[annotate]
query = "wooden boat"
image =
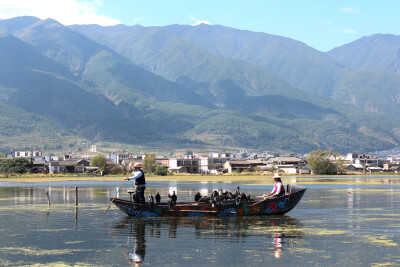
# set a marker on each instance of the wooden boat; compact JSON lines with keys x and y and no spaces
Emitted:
{"x":234,"y":207}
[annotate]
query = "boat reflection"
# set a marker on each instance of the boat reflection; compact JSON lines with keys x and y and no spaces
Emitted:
{"x":132,"y":232}
{"x":139,"y":250}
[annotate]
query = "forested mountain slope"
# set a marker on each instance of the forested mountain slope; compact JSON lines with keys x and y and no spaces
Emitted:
{"x":378,"y":52}
{"x":177,"y":87}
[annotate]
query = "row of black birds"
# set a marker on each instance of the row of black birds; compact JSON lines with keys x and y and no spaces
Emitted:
{"x":171,"y":198}
{"x":220,"y":196}
{"x":216,"y":197}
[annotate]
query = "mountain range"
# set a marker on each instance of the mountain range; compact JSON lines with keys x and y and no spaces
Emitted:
{"x":202,"y":86}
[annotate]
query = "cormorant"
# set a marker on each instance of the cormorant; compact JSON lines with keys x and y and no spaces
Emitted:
{"x":158,"y":198}
{"x":204,"y":199}
{"x":151,"y":198}
{"x":173,"y":197}
{"x":197,"y":197}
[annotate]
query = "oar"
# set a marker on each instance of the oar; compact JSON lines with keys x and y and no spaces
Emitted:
{"x":114,"y":196}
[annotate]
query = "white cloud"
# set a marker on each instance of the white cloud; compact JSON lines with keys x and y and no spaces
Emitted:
{"x":66,"y":12}
{"x":202,"y":22}
{"x":136,"y":20}
{"x":350,"y":10}
{"x":198,"y":22}
{"x":349,"y":31}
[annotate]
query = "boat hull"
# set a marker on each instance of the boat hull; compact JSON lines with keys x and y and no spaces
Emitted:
{"x":257,"y":206}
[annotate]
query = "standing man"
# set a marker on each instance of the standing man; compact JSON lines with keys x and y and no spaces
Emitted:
{"x":140,"y":182}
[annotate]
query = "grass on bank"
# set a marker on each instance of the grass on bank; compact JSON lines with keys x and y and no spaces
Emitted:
{"x":259,"y":178}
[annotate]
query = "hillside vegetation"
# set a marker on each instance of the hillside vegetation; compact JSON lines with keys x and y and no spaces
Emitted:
{"x":184,"y":86}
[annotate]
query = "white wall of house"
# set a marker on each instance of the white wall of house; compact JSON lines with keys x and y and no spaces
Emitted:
{"x":292,"y":170}
{"x":173,"y":163}
{"x":204,"y":165}
{"x":27,"y":153}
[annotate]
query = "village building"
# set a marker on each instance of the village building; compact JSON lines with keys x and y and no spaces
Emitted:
{"x":184,"y":165}
{"x":118,"y":158}
{"x":395,"y":168}
{"x":288,"y":164}
{"x":355,"y":168}
{"x":236,"y":165}
{"x":258,"y":164}
{"x":31,"y":154}
{"x":70,"y":166}
{"x":161,"y":161}
{"x":40,"y":166}
{"x":165,"y":162}
{"x":213,"y":163}
{"x":363,"y":159}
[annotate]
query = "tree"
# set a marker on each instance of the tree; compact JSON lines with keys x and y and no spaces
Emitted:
{"x":149,"y":163}
{"x":16,"y":165}
{"x":161,"y":171}
{"x":98,"y":161}
{"x":117,"y":170}
{"x":336,"y":155}
{"x":340,"y":167}
{"x":2,"y":155}
{"x":320,"y":163}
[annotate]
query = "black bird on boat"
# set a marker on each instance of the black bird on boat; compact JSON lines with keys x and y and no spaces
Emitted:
{"x":173,"y":197}
{"x":204,"y":199}
{"x":151,"y":198}
{"x":197,"y":197}
{"x":158,"y":198}
{"x":237,"y":192}
{"x":229,"y":195}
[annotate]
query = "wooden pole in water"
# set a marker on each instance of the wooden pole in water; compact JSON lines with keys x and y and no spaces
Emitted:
{"x":76,"y":196}
{"x":47,"y":195}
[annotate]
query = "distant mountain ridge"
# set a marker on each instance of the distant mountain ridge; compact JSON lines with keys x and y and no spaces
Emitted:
{"x":189,"y":86}
{"x":378,"y":52}
{"x":303,"y":67}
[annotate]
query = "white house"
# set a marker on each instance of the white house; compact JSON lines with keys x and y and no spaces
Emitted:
{"x":27,"y":154}
{"x":185,"y":165}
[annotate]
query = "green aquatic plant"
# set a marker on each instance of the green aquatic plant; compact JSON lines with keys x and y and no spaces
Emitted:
{"x":34,"y":251}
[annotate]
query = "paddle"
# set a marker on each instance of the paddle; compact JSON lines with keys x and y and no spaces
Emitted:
{"x":114,"y":196}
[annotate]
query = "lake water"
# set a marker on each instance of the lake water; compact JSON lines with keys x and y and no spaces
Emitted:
{"x":346,"y":221}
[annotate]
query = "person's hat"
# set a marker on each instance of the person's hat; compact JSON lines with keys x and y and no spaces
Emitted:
{"x":277,"y":176}
{"x":137,"y":165}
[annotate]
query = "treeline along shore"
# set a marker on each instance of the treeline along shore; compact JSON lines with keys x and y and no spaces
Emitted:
{"x":32,"y":164}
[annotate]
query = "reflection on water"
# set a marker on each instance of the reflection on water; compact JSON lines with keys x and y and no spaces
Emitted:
{"x":280,"y":230}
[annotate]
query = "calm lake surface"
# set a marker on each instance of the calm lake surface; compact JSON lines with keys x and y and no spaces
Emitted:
{"x":346,"y":221}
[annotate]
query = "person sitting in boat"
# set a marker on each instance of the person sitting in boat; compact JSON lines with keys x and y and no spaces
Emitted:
{"x":279,"y":189}
{"x":140,"y":182}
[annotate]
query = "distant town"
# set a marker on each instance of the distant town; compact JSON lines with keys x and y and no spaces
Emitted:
{"x":211,"y":163}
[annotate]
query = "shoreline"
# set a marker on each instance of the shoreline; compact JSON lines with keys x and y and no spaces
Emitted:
{"x":253,"y":178}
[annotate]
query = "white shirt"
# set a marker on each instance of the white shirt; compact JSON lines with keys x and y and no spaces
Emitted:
{"x":136,"y":174}
{"x":277,"y":188}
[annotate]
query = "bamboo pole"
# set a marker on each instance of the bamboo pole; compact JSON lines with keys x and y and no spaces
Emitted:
{"x":114,"y":197}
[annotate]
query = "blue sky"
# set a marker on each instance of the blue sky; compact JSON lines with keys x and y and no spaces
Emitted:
{"x":321,"y":24}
